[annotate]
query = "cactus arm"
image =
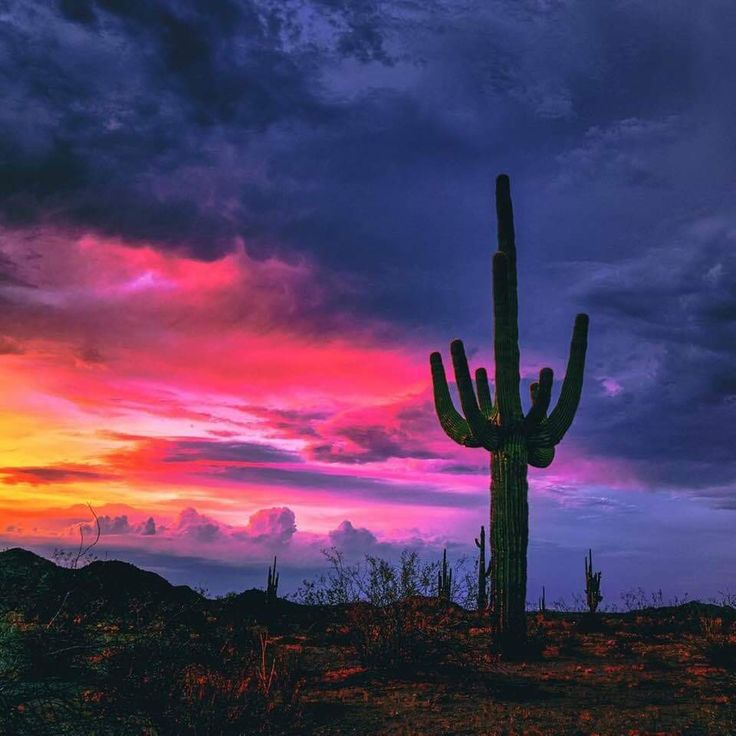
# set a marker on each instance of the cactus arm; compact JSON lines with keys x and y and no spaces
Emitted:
{"x":541,"y":457}
{"x":483,"y":431}
{"x":455,"y":426}
{"x":505,"y":345}
{"x":541,"y":397}
{"x":560,"y":419}
{"x":553,"y":429}
{"x":484,"y":393}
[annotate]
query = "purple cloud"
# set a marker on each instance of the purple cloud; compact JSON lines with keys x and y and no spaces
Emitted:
{"x":271,"y":525}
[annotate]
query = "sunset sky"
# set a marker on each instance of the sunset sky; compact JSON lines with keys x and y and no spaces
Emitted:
{"x":232,"y":232}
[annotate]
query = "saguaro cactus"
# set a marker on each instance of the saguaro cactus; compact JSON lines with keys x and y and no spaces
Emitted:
{"x":592,"y":584}
{"x":444,"y":580}
{"x":500,"y":426}
{"x":272,"y":584}
{"x":483,"y":571}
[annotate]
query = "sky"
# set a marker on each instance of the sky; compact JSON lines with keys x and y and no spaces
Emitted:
{"x":231,"y":234}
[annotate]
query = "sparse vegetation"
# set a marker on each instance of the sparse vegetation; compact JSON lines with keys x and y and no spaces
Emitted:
{"x":719,"y":641}
{"x":130,"y":654}
{"x":391,"y":612}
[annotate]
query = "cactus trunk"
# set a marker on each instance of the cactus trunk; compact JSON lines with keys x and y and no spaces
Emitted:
{"x":444,"y":580}
{"x":509,"y":541}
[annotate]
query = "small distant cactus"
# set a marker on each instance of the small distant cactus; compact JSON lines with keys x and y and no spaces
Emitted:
{"x":272,"y":586}
{"x":444,"y":581}
{"x":483,"y":572}
{"x":592,"y":584}
{"x":542,"y":602}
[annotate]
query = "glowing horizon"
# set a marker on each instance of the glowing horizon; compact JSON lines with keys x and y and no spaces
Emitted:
{"x":137,"y":389}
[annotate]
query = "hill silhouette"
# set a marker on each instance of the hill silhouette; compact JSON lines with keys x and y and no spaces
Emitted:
{"x":31,"y":583}
{"x":37,"y":587}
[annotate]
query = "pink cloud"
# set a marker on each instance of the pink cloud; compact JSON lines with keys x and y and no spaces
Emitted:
{"x":239,"y":388}
{"x":276,"y":524}
{"x":199,"y":527}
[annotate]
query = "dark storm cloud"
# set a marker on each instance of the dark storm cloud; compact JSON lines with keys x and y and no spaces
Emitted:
{"x":356,"y":486}
{"x":185,"y":450}
{"x":332,"y":126}
{"x":465,"y":468}
{"x":287,"y":423}
{"x":371,"y":443}
{"x":119,"y":115}
{"x":42,"y":475}
{"x":666,"y":319}
{"x":402,"y":431}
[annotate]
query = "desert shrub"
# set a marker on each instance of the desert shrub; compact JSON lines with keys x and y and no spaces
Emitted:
{"x":261,"y":695}
{"x":38,"y":694}
{"x":392,"y":615}
{"x":375,"y":581}
{"x":727,"y":599}
{"x":201,"y":679}
{"x":413,"y":631}
{"x":381,"y":582}
{"x":177,"y":675}
{"x":638,"y":599}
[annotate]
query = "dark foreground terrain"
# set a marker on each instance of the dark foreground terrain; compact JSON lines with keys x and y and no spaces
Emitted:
{"x":110,"y":649}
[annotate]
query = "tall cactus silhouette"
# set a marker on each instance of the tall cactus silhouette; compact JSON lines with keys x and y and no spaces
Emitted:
{"x":500,"y":426}
{"x":444,"y":580}
{"x":272,"y":584}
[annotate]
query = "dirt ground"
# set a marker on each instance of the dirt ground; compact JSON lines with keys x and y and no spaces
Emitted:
{"x":639,"y":675}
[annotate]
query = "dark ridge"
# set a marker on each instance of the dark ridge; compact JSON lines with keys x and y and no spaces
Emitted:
{"x":114,"y":579}
{"x":253,"y":605}
{"x":19,"y":556}
{"x":38,"y":587}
